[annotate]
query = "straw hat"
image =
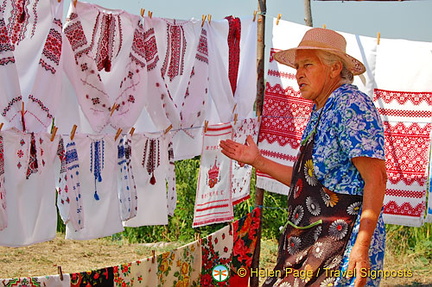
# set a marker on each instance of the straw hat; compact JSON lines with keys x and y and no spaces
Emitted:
{"x":322,"y":39}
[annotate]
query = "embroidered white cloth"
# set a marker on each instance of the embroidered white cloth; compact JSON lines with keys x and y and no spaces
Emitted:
{"x":183,"y":47}
{"x":109,"y":61}
{"x":150,"y":161}
{"x":30,"y":201}
{"x":403,"y":98}
{"x":69,"y":198}
{"x":97,"y":170}
{"x":285,"y":113}
{"x":224,"y":101}
{"x":127,"y":191}
{"x":241,"y":173}
{"x":38,"y":79}
{"x":213,"y":202}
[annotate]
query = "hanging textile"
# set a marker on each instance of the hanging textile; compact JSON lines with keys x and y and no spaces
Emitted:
{"x":183,"y":46}
{"x":216,"y":250}
{"x":285,"y":113}
{"x":403,"y":98}
{"x":150,"y":161}
{"x":138,"y":273}
{"x":213,"y":202}
{"x":127,"y":191}
{"x":108,"y":54}
{"x":244,"y":242}
{"x":101,"y":277}
{"x":232,"y":74}
{"x":69,"y":198}
{"x":38,"y":79}
{"x":100,"y":203}
{"x":241,"y":173}
{"x":31,"y":215}
{"x":180,"y":267}
{"x":3,"y":206}
{"x":50,"y":280}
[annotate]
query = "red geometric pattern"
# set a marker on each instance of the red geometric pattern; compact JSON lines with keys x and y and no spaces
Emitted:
{"x":402,"y":97}
{"x":407,"y":152}
{"x":405,"y":193}
{"x":405,"y":209}
{"x":405,"y":113}
{"x":285,"y":116}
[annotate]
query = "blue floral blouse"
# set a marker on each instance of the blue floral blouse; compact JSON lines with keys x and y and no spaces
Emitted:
{"x":349,"y":126}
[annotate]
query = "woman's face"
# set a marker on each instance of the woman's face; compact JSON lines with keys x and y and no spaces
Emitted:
{"x":315,"y":80}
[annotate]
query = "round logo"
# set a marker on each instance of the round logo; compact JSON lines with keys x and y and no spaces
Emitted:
{"x":220,"y":273}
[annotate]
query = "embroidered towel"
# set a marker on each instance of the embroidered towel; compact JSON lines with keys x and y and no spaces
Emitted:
{"x":50,"y":280}
{"x":403,"y":98}
{"x":213,"y":202}
{"x":285,"y":113}
{"x":241,"y":173}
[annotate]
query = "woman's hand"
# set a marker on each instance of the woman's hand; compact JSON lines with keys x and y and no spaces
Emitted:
{"x":359,"y":264}
{"x":247,"y":153}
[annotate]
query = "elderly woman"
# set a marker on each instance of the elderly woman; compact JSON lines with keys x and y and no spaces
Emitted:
{"x":335,"y":233}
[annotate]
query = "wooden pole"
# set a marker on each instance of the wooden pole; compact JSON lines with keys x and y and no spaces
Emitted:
{"x":308,"y":13}
{"x":259,"y":192}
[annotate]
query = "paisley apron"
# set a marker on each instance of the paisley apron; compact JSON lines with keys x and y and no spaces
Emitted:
{"x":319,"y":226}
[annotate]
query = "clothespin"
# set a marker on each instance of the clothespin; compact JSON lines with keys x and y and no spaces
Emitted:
{"x":203,"y":18}
{"x":209,"y":18}
{"x":234,"y":108}
{"x":150,"y":14}
{"x":259,"y":115}
{"x":255,"y":14}
{"x":324,"y":26}
{"x":235,"y":118}
{"x":53,"y":133}
{"x":74,"y":2}
{"x":72,"y":133}
{"x":206,"y":122}
{"x":60,"y":272}
{"x":114,"y":106}
{"x":378,"y":38}
{"x":119,"y":131}
{"x":168,"y":129}
{"x":142,"y":12}
{"x":153,"y":256}
{"x":279,"y":16}
{"x":1,"y":126}
{"x":59,"y":1}
{"x":22,"y":116}
{"x":132,"y":130}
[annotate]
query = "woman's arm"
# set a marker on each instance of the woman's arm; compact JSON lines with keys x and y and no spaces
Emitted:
{"x":373,"y":172}
{"x":249,"y":154}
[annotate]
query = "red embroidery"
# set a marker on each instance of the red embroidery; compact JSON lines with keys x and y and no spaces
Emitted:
{"x":75,"y":34}
{"x":402,"y":97}
{"x":405,"y":209}
{"x":202,"y":53}
{"x":174,"y":60}
{"x":52,"y":48}
{"x":280,"y":74}
{"x":405,"y":113}
{"x":285,"y":116}
{"x":272,"y":52}
{"x":105,"y":47}
{"x":234,"y":34}
{"x":406,"y":193}
{"x":18,"y":20}
{"x":406,"y":150}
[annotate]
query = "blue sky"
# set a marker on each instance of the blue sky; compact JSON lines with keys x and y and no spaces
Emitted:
{"x":411,"y":20}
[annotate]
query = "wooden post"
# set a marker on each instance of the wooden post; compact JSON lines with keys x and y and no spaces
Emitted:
{"x":259,"y":192}
{"x":308,"y":13}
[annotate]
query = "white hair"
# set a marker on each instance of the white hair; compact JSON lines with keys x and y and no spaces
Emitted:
{"x":329,"y":59}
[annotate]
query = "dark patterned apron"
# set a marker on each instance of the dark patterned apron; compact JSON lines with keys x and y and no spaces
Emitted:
{"x":318,"y":229}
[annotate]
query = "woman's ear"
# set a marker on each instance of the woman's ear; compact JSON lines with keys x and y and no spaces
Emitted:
{"x":336,"y":69}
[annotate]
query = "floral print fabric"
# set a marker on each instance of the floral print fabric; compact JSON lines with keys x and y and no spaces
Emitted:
{"x":349,"y":127}
{"x":102,"y":277}
{"x":138,"y":273}
{"x":216,"y":249}
{"x":180,"y":267}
